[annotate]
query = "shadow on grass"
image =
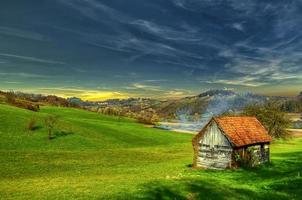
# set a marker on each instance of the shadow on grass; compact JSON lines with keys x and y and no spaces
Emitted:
{"x":35,"y":128}
{"x":279,"y":180}
{"x":199,"y":189}
{"x":287,"y":165}
{"x":59,"y":134}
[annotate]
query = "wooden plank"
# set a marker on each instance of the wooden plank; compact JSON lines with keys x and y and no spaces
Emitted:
{"x":215,"y":151}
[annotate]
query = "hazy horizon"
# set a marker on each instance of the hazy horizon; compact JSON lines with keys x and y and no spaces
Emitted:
{"x":97,"y":97}
{"x":98,"y":50}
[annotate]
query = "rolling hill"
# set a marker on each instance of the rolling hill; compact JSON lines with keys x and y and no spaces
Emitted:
{"x":94,"y":156}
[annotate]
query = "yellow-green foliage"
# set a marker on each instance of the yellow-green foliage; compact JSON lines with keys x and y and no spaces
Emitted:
{"x":270,"y":115}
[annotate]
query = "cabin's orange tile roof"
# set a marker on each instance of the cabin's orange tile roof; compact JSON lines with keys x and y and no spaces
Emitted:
{"x":243,"y":131}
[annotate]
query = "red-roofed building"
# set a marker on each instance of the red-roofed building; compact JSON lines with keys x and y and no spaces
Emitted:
{"x":227,"y":142}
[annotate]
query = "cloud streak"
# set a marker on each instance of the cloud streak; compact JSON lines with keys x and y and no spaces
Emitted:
{"x":32,"y":59}
{"x":23,"y":75}
{"x":190,"y":35}
{"x":22,"y":33}
{"x":140,"y":86}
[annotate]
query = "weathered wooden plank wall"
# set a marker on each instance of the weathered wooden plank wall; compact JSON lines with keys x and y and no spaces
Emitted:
{"x":215,"y":151}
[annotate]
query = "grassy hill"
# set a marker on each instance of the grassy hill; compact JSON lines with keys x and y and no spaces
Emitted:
{"x":93,"y":156}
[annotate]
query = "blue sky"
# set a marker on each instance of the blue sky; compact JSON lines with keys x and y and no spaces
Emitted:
{"x":98,"y":49}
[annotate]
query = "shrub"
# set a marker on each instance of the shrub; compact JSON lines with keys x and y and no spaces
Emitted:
{"x":32,"y":107}
{"x":31,"y":125}
{"x":27,"y":105}
{"x":50,"y":123}
{"x":249,"y":160}
{"x":148,"y":118}
{"x":10,"y":97}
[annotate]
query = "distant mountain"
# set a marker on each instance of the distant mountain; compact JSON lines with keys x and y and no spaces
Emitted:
{"x":211,"y":93}
{"x":232,"y":102}
{"x":183,"y":106}
{"x":210,"y":103}
{"x":80,"y":102}
{"x":205,"y":105}
{"x":195,"y":111}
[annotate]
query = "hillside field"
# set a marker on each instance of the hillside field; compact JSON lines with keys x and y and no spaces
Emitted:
{"x":94,"y":156}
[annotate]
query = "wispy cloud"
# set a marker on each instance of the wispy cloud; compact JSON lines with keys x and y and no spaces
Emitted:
{"x":12,"y":82}
{"x":23,"y":75}
{"x":169,"y":54}
{"x":3,"y":61}
{"x":124,"y":41}
{"x":33,"y":59}
{"x":246,"y":81}
{"x":145,"y":87}
{"x":95,"y":10}
{"x":238,"y":26}
{"x":22,"y":33}
{"x":156,"y":80}
{"x":177,"y":93}
{"x":257,"y":72}
{"x":169,"y":33}
{"x":185,"y":4}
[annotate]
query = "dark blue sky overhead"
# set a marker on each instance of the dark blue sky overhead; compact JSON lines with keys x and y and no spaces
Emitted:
{"x":99,"y":49}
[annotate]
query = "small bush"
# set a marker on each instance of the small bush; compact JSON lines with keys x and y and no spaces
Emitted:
{"x":50,"y":123}
{"x":10,"y":97}
{"x":27,"y":105}
{"x":32,"y":107}
{"x":32,"y":124}
{"x":148,"y":118}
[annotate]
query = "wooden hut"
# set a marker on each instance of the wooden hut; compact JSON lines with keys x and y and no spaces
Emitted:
{"x":228,"y":142}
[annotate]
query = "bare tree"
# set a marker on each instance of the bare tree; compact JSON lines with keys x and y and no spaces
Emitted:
{"x":50,"y":123}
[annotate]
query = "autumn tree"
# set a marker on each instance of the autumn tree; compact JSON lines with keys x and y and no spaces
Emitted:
{"x":271,"y":116}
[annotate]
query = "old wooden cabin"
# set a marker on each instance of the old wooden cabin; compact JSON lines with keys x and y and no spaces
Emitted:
{"x":229,"y":142}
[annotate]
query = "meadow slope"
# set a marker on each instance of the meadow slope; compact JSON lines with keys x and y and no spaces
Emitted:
{"x":94,"y":156}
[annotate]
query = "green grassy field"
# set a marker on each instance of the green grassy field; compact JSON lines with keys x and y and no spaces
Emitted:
{"x":100,"y":157}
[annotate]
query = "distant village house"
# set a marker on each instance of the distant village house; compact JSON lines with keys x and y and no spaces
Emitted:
{"x":229,"y":142}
